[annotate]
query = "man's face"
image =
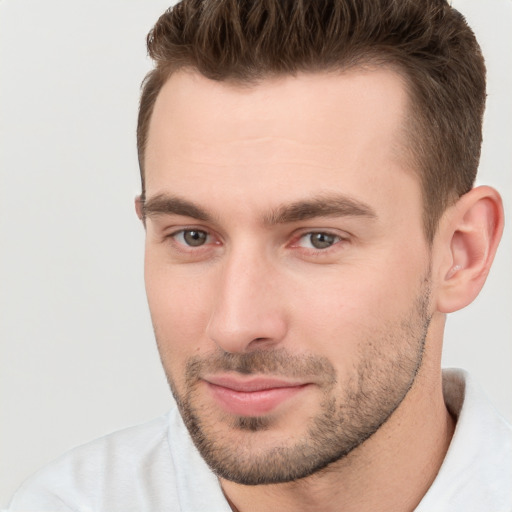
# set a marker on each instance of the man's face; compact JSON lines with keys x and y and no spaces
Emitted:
{"x":286,"y":268}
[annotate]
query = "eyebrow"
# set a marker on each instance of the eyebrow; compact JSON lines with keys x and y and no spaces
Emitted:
{"x":332,"y":205}
{"x":173,"y":205}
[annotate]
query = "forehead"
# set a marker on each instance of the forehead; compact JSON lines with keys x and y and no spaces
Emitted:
{"x":310,"y":107}
{"x":286,"y":135}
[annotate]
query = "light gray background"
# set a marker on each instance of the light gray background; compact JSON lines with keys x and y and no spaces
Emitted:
{"x":77,"y":357}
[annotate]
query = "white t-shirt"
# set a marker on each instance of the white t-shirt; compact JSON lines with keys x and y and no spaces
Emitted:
{"x":155,"y":467}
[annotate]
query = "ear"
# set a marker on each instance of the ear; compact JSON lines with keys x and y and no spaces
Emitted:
{"x":470,"y":236}
{"x":139,"y":208}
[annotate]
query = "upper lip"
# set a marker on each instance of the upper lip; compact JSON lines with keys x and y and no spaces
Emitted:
{"x":250,"y":384}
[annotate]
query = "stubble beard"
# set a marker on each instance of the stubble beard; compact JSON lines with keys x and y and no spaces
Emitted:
{"x":346,"y":419}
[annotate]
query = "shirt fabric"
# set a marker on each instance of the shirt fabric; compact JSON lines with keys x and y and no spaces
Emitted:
{"x":155,"y":467}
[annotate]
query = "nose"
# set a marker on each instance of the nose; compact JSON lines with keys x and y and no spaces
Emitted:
{"x":248,"y":313}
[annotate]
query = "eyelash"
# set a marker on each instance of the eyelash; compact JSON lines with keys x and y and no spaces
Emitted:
{"x":310,"y":234}
{"x":184,"y":247}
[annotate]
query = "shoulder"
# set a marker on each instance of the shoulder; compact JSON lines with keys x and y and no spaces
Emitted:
{"x":477,"y":471}
{"x":114,"y":465}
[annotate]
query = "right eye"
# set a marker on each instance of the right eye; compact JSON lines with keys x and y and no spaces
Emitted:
{"x":191,"y":237}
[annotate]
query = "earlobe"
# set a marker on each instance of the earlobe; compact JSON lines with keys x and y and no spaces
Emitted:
{"x":471,"y":237}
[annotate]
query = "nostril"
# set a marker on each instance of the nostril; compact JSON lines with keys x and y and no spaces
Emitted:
{"x":260,"y":344}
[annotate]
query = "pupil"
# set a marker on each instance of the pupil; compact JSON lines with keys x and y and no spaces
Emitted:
{"x":194,"y":238}
{"x":321,"y":240}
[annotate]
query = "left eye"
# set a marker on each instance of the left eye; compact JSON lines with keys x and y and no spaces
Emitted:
{"x":192,"y":237}
{"x":318,"y":240}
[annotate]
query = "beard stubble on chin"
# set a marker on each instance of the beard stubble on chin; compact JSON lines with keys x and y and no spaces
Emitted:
{"x":347,"y":416}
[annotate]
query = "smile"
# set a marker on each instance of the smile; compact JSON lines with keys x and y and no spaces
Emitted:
{"x":253,"y":397}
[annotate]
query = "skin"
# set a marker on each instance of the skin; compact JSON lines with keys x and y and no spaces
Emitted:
{"x":228,"y":161}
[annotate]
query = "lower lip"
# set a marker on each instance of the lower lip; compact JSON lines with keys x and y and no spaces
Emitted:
{"x":252,"y":403}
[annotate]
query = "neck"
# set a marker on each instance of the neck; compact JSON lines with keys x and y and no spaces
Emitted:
{"x":390,"y":471}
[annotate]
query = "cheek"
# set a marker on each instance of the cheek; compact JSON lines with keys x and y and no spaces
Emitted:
{"x":356,"y":305}
{"x":179,"y":307}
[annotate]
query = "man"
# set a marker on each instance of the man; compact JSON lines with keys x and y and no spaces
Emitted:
{"x":307,"y":194}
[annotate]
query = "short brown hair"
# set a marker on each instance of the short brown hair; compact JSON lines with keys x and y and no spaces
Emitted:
{"x":427,"y":41}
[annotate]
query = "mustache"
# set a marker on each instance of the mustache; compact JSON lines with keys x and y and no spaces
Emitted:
{"x":277,"y":362}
